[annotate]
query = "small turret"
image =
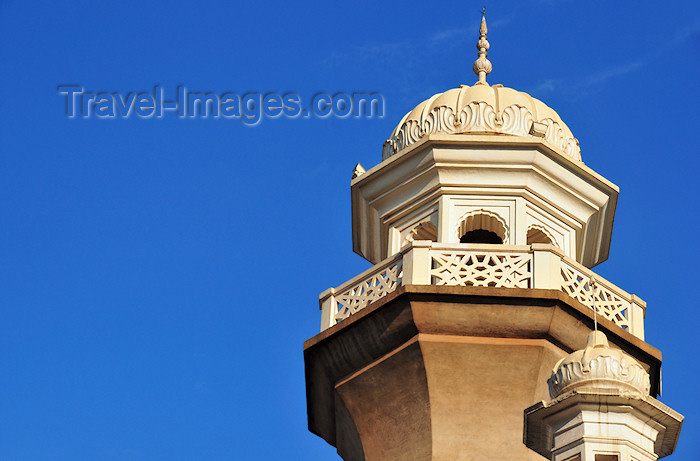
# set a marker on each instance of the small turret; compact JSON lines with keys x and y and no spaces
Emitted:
{"x":601,"y":410}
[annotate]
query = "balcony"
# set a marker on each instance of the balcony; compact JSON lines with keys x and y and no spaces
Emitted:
{"x":498,"y":266}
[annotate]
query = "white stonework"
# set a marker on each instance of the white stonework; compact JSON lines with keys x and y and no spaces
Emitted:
{"x":599,"y":367}
{"x":483,"y":109}
{"x":544,"y":266}
{"x":601,"y":409}
{"x":521,"y":181}
{"x":482,"y":157}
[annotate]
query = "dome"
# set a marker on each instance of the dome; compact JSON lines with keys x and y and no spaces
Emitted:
{"x":599,"y":367}
{"x":483,"y":109}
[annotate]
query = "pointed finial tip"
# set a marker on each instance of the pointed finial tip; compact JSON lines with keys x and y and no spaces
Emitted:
{"x":482,"y":66}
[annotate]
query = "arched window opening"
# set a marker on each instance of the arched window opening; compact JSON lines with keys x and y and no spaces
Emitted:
{"x":482,"y":226}
{"x":424,"y":231}
{"x":480,"y":236}
{"x":606,"y":458}
{"x":535,"y":235}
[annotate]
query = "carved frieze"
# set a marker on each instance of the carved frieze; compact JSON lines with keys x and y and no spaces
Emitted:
{"x":460,"y":115}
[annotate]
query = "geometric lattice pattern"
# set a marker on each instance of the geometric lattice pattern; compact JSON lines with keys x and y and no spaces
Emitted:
{"x":486,"y":268}
{"x":611,"y":306}
{"x":483,"y":269}
{"x":369,"y":290}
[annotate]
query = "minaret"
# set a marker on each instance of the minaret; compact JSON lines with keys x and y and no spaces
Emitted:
{"x":482,"y":224}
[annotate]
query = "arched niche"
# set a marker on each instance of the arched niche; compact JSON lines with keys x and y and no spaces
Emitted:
{"x":423,"y":231}
{"x":482,"y":226}
{"x":539,"y":234}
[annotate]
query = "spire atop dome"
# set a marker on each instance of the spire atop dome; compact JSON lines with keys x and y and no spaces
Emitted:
{"x":482,"y":66}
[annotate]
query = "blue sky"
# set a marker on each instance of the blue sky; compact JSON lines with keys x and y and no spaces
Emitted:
{"x":158,"y":276}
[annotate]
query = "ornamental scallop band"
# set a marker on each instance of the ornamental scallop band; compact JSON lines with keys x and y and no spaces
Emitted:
{"x":599,"y":367}
{"x":479,"y":117}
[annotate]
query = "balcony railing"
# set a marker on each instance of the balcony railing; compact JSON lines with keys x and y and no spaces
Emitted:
{"x":498,"y":266}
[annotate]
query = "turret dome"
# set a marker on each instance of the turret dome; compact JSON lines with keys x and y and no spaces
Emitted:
{"x":483,"y":109}
{"x":599,"y":367}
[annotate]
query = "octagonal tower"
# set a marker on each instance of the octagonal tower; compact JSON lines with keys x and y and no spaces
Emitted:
{"x":483,"y":157}
{"x":482,"y":222}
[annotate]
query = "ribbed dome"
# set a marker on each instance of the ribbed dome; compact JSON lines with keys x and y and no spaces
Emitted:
{"x":599,"y":367}
{"x":483,"y":109}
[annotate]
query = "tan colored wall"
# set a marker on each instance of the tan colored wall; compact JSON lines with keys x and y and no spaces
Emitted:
{"x":449,"y":398}
{"x":444,"y":373}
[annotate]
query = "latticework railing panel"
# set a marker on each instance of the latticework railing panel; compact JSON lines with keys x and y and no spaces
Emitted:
{"x":369,"y":290}
{"x":429,"y":263}
{"x":607,"y":303}
{"x":486,"y":269}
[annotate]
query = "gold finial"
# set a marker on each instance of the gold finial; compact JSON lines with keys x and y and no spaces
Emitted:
{"x":482,"y":66}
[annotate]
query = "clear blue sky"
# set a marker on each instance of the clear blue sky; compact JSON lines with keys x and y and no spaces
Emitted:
{"x":158,"y":277}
